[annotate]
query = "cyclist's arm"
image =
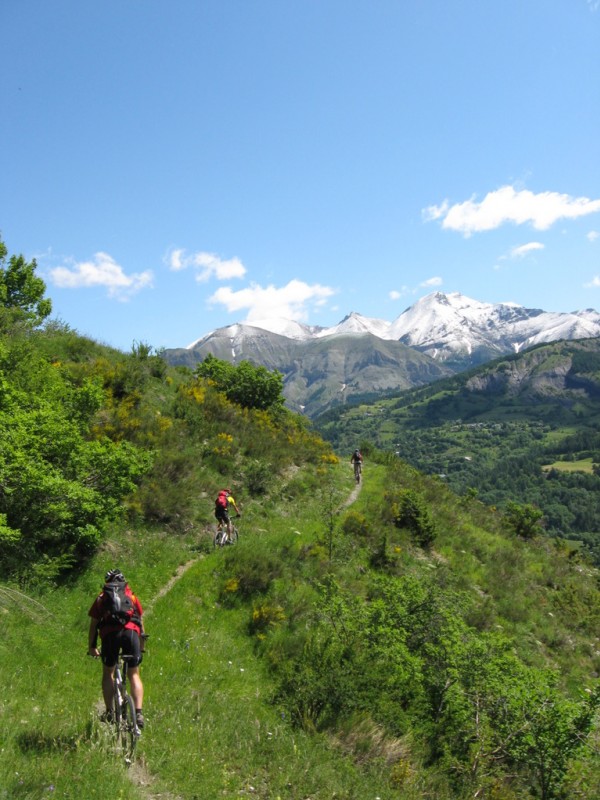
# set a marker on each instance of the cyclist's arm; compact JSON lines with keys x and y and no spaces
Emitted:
{"x":93,"y":638}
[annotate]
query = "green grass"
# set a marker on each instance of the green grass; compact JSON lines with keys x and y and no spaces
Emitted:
{"x":582,"y":465}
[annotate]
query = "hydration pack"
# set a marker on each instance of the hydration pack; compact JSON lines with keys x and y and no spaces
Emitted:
{"x":221,"y":501}
{"x":118,"y":604}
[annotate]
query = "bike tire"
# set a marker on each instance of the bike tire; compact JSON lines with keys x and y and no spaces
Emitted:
{"x":218,"y":539}
{"x":129,"y":731}
{"x":234,"y":536}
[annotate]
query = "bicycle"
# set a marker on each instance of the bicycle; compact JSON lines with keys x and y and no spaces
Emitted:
{"x":124,"y":716}
{"x":357,"y":471}
{"x":221,"y":537}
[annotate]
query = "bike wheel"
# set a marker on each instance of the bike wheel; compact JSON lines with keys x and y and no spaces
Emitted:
{"x":128,"y":731}
{"x":234,"y":536}
{"x":218,"y":540}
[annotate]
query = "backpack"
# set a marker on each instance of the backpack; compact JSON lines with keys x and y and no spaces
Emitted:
{"x":118,"y":604}
{"x":356,"y":455}
{"x":221,"y":501}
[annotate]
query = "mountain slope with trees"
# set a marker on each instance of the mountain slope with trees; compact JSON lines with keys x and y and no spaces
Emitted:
{"x":413,"y":643}
{"x":524,"y":429}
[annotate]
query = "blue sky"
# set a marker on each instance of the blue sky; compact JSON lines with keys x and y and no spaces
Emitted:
{"x":179,"y":165}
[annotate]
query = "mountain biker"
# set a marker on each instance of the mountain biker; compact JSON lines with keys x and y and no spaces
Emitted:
{"x":223,"y":505}
{"x":356,"y":459}
{"x":117,"y":635}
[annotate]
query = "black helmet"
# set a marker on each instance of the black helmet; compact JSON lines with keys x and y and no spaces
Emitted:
{"x":114,"y":576}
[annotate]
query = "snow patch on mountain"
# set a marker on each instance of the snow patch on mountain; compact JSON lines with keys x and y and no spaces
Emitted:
{"x":356,"y":323}
{"x":440,"y":325}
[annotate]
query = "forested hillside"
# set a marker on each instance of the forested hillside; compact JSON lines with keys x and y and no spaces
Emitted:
{"x":391,"y":640}
{"x":523,"y":429}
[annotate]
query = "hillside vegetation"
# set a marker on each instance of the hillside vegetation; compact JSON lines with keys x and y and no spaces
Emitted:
{"x":508,"y":431}
{"x":391,"y":641}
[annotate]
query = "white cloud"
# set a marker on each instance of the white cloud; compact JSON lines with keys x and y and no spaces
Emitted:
{"x":397,"y":294}
{"x":524,"y":249}
{"x":593,"y":284}
{"x":435,"y":281}
{"x":102,"y":271}
{"x":209,"y":265}
{"x":510,"y":205}
{"x":593,"y":235}
{"x":288,"y":302}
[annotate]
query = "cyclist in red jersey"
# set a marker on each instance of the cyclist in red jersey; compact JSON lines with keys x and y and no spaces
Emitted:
{"x":117,"y":636}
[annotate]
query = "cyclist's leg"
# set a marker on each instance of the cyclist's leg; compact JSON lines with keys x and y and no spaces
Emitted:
{"x":109,"y":654}
{"x":222,"y":522}
{"x":131,"y":647}
{"x":108,"y":686}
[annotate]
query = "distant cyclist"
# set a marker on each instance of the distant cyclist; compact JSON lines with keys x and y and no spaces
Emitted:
{"x":356,"y":460}
{"x":223,"y":509}
{"x":116,"y":614}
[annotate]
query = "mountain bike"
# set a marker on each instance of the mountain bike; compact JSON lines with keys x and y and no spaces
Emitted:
{"x":221,"y":539}
{"x":124,"y":717}
{"x":357,"y":471}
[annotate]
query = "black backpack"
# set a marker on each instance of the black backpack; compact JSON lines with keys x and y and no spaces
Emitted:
{"x":118,"y":604}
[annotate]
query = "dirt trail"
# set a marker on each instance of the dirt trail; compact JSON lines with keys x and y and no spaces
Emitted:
{"x":138,"y":772}
{"x":181,"y":570}
{"x":352,"y":496}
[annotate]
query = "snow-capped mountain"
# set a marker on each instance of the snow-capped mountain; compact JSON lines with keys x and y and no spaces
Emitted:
{"x":449,"y":325}
{"x":443,"y":326}
{"x":438,"y":335}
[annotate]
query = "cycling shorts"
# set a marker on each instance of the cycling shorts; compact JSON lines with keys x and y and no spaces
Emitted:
{"x":221,"y":514}
{"x":126,"y":641}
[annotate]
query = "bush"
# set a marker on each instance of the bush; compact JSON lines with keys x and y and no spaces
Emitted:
{"x":410,"y":511}
{"x":356,"y":524}
{"x":248,"y":572}
{"x":257,"y":476}
{"x":524,"y":520}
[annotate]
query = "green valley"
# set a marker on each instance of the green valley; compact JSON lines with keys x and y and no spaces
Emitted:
{"x":511,"y":430}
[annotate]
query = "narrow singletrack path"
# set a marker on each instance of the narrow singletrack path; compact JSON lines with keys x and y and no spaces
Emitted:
{"x":181,"y":570}
{"x":351,"y":497}
{"x":138,"y":772}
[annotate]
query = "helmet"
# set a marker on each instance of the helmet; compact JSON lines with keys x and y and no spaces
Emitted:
{"x":114,"y":575}
{"x":228,"y":491}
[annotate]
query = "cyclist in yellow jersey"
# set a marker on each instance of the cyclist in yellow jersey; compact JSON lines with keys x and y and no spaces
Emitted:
{"x":223,"y":511}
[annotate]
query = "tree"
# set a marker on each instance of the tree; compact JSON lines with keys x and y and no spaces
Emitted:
{"x":246,"y":385}
{"x":524,"y":520}
{"x":21,"y":290}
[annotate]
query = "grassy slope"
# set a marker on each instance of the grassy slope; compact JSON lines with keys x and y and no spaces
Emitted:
{"x":211,"y":728}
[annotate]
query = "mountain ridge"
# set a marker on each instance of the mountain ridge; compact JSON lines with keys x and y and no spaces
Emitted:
{"x":440,"y":334}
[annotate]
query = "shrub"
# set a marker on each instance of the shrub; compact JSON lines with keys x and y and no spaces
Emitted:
{"x":356,"y":524}
{"x":524,"y":520}
{"x":252,"y":570}
{"x":410,"y":511}
{"x":257,"y":476}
